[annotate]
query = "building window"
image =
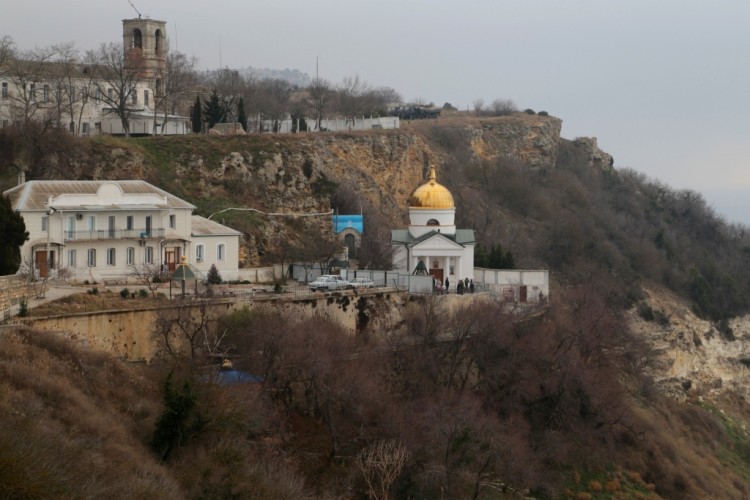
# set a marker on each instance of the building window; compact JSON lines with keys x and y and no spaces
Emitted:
{"x":71,"y":258}
{"x":85,"y":128}
{"x":134,"y":96}
{"x":149,"y":258}
{"x":111,"y":94}
{"x":148,"y":225}
{"x":220,"y":250}
{"x":5,"y":90}
{"x":433,"y":222}
{"x":92,"y":223}
{"x":136,"y":41}
{"x":32,"y":91}
{"x":72,"y":94}
{"x":157,"y":48}
{"x":172,"y":221}
{"x":145,"y":98}
{"x":98,"y":94}
{"x":110,"y":256}
{"x":45,"y":222}
{"x":199,"y":253}
{"x":45,"y":95}
{"x":111,"y":226}
{"x":91,"y":257}
{"x":129,"y":223}
{"x":130,"y":256}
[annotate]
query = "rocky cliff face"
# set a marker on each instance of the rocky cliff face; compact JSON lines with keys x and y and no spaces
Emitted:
{"x":296,"y":173}
{"x":694,"y":358}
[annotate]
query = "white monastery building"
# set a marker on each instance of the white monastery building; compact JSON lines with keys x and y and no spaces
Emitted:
{"x":432,"y":242}
{"x":106,"y":230}
{"x":81,"y":96}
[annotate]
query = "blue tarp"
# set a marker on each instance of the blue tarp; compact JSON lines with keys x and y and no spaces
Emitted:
{"x":341,"y":222}
{"x":230,"y":377}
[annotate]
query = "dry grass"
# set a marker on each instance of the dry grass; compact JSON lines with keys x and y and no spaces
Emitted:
{"x":101,"y":301}
{"x":69,"y":428}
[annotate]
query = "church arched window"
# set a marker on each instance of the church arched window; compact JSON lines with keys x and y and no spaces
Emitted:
{"x":433,"y":222}
{"x":158,"y":41}
{"x":137,"y":40}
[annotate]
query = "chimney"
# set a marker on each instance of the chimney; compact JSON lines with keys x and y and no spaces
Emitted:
{"x":21,"y":177}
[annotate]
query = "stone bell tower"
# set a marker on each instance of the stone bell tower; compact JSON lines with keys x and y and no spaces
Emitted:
{"x":145,"y":43}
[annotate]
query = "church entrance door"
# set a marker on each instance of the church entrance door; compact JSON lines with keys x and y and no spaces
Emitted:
{"x":437,"y":273}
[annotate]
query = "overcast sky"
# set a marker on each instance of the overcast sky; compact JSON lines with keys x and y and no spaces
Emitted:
{"x":663,"y":84}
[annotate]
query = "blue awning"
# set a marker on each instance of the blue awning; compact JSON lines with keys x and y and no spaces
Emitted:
{"x":342,"y":222}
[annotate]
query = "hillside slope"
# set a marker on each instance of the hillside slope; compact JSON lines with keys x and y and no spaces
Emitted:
{"x":662,"y":257}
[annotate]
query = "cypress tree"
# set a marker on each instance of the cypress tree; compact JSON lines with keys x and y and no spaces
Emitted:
{"x":197,"y":116}
{"x":214,"y":110}
{"x":241,"y":114}
{"x":12,"y":235}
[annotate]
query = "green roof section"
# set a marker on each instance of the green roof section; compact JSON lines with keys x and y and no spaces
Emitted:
{"x":462,"y":236}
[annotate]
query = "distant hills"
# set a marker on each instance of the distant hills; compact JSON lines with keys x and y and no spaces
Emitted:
{"x":293,"y":76}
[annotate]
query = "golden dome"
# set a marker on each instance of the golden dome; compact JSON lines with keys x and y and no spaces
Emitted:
{"x":431,"y":195}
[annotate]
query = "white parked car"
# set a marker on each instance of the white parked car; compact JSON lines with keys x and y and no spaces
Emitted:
{"x":329,"y":282}
{"x":362,"y":283}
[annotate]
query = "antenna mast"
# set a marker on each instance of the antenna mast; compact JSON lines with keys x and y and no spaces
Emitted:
{"x":136,"y":10}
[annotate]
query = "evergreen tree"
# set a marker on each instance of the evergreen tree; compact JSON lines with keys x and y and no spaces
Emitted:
{"x":241,"y":114}
{"x":214,"y":110}
{"x":178,"y":422}
{"x":197,"y":116}
{"x":12,"y":235}
{"x":213,"y":276}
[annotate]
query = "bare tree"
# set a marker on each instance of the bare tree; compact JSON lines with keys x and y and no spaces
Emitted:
{"x":381,"y":463}
{"x":478,"y":106}
{"x":173,"y":84}
{"x":503,"y":107}
{"x":7,"y":49}
{"x":149,"y":275}
{"x":27,"y":72}
{"x":72,"y":88}
{"x":319,"y":94}
{"x":185,"y":329}
{"x":352,"y":96}
{"x":36,"y":280}
{"x":274,"y":99}
{"x":115,"y":77}
{"x":229,"y":85}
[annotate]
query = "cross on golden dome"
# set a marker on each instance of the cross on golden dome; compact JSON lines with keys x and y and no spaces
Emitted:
{"x":431,"y":195}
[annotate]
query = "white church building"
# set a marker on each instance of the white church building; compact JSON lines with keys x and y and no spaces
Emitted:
{"x":432,"y":243}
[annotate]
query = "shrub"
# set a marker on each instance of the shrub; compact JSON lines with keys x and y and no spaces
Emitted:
{"x":93,"y":291}
{"x":23,"y":305}
{"x":645,"y":312}
{"x":529,"y":111}
{"x":143,"y":293}
{"x":543,"y":113}
{"x":213,"y":277}
{"x":277,"y":288}
{"x":124,"y":293}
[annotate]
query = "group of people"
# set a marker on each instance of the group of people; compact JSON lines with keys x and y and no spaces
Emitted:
{"x":465,"y":286}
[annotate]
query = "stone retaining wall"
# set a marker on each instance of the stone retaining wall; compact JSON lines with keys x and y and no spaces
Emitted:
{"x":12,"y":290}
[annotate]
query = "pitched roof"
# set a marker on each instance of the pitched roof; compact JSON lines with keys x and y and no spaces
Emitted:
{"x":33,"y":195}
{"x":204,"y":227}
{"x":462,"y":236}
